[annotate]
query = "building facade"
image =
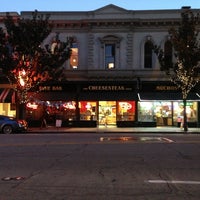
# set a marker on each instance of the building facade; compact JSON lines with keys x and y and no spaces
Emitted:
{"x":113,"y":77}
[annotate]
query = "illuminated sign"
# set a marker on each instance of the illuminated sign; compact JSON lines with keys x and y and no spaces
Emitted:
{"x":107,"y":88}
{"x":125,"y":105}
{"x":166,"y":87}
{"x":32,"y":105}
{"x":50,"y":88}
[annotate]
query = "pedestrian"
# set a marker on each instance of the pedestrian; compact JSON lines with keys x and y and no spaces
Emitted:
{"x":44,"y":119}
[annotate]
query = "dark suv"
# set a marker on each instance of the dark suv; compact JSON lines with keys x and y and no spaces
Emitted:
{"x":10,"y":125}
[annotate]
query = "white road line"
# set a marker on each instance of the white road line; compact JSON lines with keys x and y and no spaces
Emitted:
{"x":167,"y":139}
{"x":174,"y":182}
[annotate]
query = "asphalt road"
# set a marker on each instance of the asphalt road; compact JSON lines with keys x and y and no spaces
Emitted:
{"x":99,"y":166}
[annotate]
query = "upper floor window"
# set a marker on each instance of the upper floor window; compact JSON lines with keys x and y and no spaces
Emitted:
{"x":74,"y":55}
{"x":148,"y":51}
{"x":168,"y":53}
{"x":110,"y":45}
{"x":110,"y":56}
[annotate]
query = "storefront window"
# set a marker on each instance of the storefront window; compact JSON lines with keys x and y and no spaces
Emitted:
{"x":88,"y":110}
{"x":146,"y":112}
{"x":191,"y":111}
{"x":161,"y":112}
{"x":6,"y":109}
{"x":107,"y":113}
{"x":64,"y":110}
{"x":126,"y":111}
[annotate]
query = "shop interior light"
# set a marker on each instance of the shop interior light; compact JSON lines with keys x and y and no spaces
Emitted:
{"x":110,"y":65}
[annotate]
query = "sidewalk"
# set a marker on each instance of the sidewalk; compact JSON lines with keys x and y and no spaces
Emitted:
{"x":113,"y":129}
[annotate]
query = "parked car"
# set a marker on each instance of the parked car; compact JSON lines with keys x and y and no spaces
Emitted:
{"x":11,"y":125}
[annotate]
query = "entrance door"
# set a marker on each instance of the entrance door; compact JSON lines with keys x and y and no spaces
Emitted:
{"x":107,"y":113}
{"x":163,"y":112}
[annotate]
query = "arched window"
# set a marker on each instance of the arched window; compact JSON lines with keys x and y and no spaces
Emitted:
{"x":168,"y":53}
{"x":148,"y":49}
{"x":74,"y":54}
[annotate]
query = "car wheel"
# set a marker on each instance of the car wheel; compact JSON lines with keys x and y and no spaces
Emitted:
{"x":7,"y":129}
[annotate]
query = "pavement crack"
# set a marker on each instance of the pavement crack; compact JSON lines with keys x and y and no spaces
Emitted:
{"x":101,"y":173}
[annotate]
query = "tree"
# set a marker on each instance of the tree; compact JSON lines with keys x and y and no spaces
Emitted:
{"x":25,"y":60}
{"x":185,"y":68}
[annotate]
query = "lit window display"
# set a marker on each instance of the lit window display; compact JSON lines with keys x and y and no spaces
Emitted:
{"x":146,"y":112}
{"x":191,"y":111}
{"x":6,"y":109}
{"x":161,"y":112}
{"x":126,"y":111}
{"x":55,"y":109}
{"x":88,"y":110}
{"x":107,"y":113}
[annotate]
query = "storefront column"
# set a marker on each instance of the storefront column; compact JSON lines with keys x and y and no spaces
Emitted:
{"x":77,"y":111}
{"x":198,"y":115}
{"x":77,"y":103}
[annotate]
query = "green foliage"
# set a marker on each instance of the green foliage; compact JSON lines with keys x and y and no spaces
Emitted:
{"x":24,"y":59}
{"x":185,"y":67}
{"x":186,"y":42}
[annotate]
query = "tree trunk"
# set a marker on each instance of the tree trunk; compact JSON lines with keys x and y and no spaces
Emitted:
{"x":21,"y":111}
{"x":20,"y":108}
{"x":185,"y":125}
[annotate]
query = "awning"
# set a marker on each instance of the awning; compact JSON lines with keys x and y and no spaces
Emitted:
{"x":107,"y":96}
{"x":7,"y":95}
{"x":165,"y":96}
{"x":53,"y":96}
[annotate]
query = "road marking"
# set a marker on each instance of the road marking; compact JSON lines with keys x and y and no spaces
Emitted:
{"x":123,"y":138}
{"x":137,"y":139}
{"x":174,"y":182}
{"x":168,"y":140}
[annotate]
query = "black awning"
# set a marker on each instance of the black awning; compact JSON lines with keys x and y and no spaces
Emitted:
{"x":107,"y":96}
{"x":7,"y":95}
{"x":166,"y":96}
{"x":53,"y":96}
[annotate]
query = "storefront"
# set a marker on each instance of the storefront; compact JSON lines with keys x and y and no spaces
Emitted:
{"x":7,"y":101}
{"x":110,"y":104}
{"x":107,"y":112}
{"x":167,"y":113}
{"x":162,"y":104}
{"x":85,"y":104}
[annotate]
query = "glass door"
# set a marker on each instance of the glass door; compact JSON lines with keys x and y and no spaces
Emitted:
{"x":107,"y":113}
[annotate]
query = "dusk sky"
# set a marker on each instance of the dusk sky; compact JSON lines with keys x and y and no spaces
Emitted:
{"x":89,"y":5}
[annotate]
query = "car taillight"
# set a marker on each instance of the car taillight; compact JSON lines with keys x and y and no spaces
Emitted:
{"x":21,"y":122}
